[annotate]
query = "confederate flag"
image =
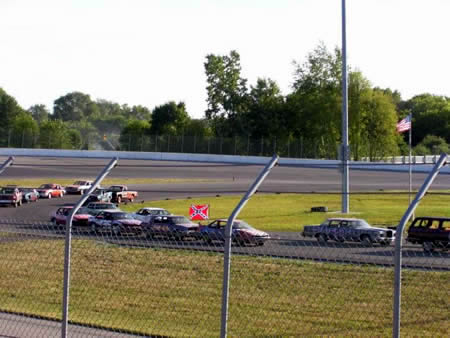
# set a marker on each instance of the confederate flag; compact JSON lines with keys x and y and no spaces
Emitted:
{"x":199,"y":212}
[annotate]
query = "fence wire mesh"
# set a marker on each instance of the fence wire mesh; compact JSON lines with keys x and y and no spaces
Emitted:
{"x":135,"y":273}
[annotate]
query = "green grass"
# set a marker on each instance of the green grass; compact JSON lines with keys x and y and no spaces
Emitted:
{"x":178,"y":293}
{"x":290,"y":212}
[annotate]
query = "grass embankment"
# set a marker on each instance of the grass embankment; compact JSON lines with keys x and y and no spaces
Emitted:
{"x":289,"y":212}
{"x":178,"y":293}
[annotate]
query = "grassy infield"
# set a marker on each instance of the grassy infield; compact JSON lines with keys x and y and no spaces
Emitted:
{"x":178,"y":293}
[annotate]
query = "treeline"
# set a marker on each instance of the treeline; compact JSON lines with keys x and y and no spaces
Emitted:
{"x":310,"y":112}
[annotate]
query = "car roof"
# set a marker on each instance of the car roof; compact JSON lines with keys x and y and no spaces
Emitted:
{"x":114,"y":211}
{"x":101,"y":203}
{"x":151,"y":208}
{"x":343,"y":219}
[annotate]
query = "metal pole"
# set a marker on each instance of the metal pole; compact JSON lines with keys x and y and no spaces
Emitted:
{"x":410,"y":168}
{"x":68,"y":244}
{"x":344,"y":152}
{"x":398,"y":242}
{"x":6,"y":164}
{"x":227,"y":248}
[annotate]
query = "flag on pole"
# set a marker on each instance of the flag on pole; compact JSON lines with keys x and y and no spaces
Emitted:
{"x":404,"y":125}
{"x":199,"y":212}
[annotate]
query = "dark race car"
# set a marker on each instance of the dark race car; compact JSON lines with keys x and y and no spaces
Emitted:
{"x":242,"y":233}
{"x":171,"y":226}
{"x":115,"y":222}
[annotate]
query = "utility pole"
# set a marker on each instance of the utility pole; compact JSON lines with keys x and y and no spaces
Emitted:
{"x":344,"y":147}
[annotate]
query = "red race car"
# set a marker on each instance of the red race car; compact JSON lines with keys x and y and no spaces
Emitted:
{"x":50,"y":190}
{"x":60,"y":216}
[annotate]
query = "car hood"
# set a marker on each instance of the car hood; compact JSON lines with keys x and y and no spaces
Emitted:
{"x":380,"y":229}
{"x":256,"y":233}
{"x":130,"y":221}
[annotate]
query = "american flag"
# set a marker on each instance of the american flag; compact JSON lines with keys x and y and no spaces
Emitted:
{"x":404,"y":125}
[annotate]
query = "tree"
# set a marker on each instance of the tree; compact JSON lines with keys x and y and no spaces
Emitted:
{"x":39,"y":112}
{"x":431,"y":145}
{"x":169,"y":119}
{"x":431,"y":116}
{"x":266,"y":114}
{"x":380,"y":124}
{"x":54,"y":134}
{"x":24,"y":131}
{"x":9,"y":109}
{"x":137,"y":112}
{"x":359,"y":94}
{"x":227,"y":93}
{"x":132,"y":136}
{"x":74,"y":107}
{"x":315,"y":104}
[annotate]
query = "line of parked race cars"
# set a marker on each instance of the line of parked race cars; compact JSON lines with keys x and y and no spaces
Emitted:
{"x":16,"y":196}
{"x":101,"y":214}
{"x":106,"y":217}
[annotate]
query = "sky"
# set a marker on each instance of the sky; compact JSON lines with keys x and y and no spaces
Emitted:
{"x":149,"y":52}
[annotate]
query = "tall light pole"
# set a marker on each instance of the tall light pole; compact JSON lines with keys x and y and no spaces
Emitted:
{"x":344,"y":147}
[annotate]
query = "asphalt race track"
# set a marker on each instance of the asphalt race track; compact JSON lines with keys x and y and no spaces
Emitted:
{"x":219,"y":179}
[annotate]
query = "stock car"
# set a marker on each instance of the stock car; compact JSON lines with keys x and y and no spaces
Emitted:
{"x":242,"y":232}
{"x":60,"y":216}
{"x":115,"y":222}
{"x":50,"y":190}
{"x":171,"y":226}
{"x":79,"y":187}
{"x":145,"y":214}
{"x":349,"y":229}
{"x":29,"y":194}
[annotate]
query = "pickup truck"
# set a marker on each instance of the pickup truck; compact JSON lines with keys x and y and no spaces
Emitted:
{"x":349,"y":229}
{"x":79,"y":187}
{"x":432,"y":232}
{"x":121,"y":193}
{"x":11,"y":195}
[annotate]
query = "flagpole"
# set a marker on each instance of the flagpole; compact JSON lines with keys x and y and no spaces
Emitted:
{"x":410,"y":171}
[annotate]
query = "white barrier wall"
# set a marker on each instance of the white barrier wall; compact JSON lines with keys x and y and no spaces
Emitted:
{"x":417,"y":167}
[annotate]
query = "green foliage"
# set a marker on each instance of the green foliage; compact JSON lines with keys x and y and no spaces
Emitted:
{"x":24,"y":131}
{"x":431,"y":116}
{"x":39,"y":112}
{"x":431,"y":145}
{"x":227,"y":95}
{"x":74,"y":107}
{"x":169,"y":119}
{"x":54,"y":134}
{"x":9,"y":109}
{"x":132,"y":136}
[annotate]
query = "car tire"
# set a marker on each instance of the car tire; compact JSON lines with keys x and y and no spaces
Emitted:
{"x":93,"y":228}
{"x":428,"y":247}
{"x":115,"y":230}
{"x":321,"y":238}
{"x":366,"y":240}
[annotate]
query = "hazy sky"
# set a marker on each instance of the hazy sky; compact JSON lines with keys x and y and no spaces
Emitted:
{"x":153,"y":51}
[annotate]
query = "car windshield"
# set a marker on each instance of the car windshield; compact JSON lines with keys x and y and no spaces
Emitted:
{"x":242,"y":225}
{"x":121,"y":215}
{"x":26,"y":189}
{"x":103,"y":206}
{"x":45,"y":186}
{"x":115,"y":188}
{"x":79,"y":183}
{"x":181,"y":220}
{"x":82,"y":211}
{"x":7,"y":191}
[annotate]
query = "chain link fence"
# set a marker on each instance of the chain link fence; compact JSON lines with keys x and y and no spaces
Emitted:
{"x":160,"y":286}
{"x":164,"y":276}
